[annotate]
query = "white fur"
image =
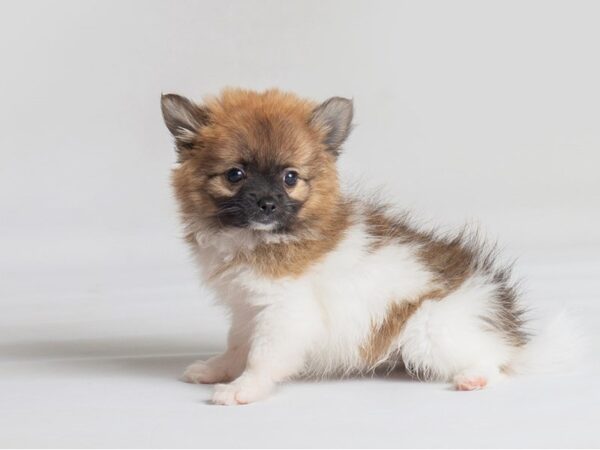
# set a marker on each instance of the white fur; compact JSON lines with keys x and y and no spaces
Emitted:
{"x":316,"y":323}
{"x":257,"y":226}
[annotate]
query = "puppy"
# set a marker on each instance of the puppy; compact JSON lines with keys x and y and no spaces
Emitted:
{"x":319,"y":283}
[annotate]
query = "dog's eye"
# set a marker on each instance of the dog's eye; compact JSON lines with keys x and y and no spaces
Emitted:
{"x":235,"y":175}
{"x":290,"y":177}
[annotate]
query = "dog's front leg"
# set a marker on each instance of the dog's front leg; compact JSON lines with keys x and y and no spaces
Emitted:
{"x":283,"y":333}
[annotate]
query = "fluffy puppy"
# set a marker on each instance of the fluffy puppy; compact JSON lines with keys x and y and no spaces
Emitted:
{"x":318,"y":283}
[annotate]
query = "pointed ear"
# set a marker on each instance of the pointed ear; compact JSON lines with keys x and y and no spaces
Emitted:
{"x":183,"y":119}
{"x":334,"y":116}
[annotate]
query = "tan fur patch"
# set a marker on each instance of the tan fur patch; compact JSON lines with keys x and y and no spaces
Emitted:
{"x":384,"y":334}
{"x":300,"y":192}
{"x":217,"y":187}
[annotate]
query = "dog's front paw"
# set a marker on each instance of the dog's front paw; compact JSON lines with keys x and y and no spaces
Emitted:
{"x":204,"y":372}
{"x":240,"y":393}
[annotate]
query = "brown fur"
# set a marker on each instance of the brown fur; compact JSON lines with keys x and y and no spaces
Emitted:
{"x":384,"y":334}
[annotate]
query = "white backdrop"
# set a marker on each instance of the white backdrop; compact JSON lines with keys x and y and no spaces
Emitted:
{"x":485,"y":112}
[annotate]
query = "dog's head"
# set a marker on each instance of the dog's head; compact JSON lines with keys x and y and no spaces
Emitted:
{"x":260,"y":161}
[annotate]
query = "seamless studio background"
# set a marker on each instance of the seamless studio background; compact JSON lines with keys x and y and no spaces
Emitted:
{"x":484,"y":113}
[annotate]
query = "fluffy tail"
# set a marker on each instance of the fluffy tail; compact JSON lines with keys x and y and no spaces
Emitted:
{"x":558,"y":347}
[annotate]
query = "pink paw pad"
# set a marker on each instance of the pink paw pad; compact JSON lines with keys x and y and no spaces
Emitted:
{"x":470,"y":383}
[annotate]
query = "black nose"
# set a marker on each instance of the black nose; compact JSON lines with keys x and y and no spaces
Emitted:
{"x":267,"y":205}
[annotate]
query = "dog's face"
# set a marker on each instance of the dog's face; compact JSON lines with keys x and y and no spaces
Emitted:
{"x":262,"y":161}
